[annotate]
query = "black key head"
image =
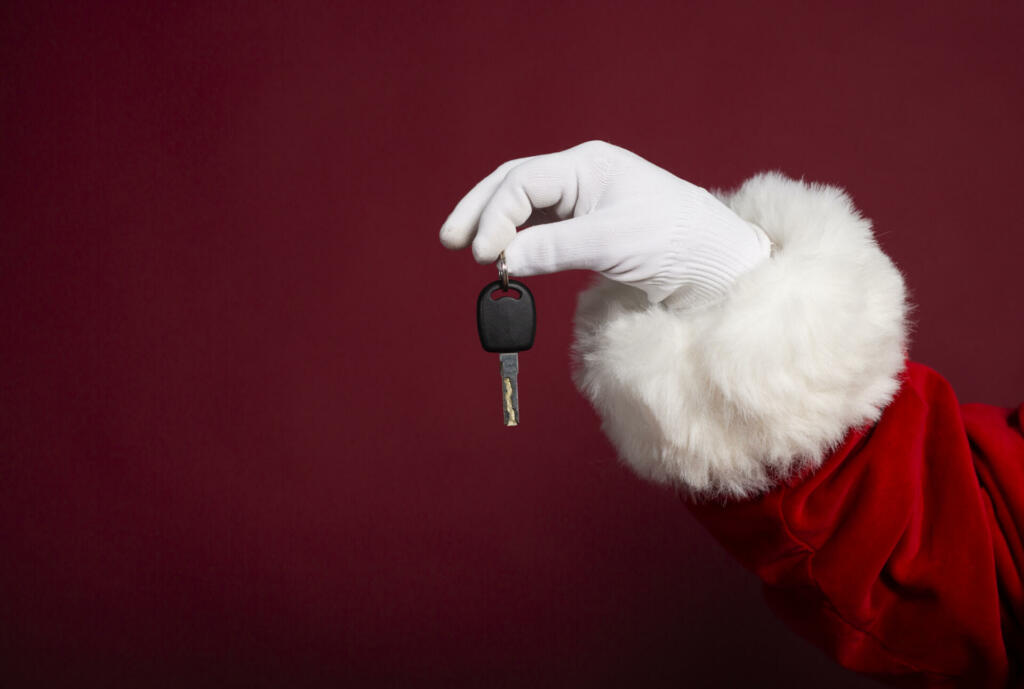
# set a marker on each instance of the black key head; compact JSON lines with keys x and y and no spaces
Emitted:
{"x":506,"y":322}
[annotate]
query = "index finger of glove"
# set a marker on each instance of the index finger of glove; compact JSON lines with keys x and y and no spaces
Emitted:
{"x":541,"y":182}
{"x":460,"y":227}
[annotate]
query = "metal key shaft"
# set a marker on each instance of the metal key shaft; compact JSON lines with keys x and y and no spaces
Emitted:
{"x":509,"y":364}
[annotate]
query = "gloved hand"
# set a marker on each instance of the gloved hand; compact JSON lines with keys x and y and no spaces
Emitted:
{"x":620,"y":215}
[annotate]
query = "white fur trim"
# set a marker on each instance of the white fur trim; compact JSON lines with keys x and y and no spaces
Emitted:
{"x":729,"y":398}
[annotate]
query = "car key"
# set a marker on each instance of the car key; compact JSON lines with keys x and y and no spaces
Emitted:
{"x":507,"y":325}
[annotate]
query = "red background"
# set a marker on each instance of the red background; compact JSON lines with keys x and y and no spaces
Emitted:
{"x":248,"y":436}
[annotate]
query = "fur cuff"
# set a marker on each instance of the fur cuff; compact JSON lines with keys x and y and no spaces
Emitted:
{"x":730,"y":398}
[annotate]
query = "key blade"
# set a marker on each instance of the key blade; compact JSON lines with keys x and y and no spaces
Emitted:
{"x":509,"y":364}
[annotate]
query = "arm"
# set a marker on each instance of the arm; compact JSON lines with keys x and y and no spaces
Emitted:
{"x":757,"y":386}
{"x":887,"y":555}
{"x":869,"y":530}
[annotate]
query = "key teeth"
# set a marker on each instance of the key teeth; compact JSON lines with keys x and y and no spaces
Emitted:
{"x":511,"y":417}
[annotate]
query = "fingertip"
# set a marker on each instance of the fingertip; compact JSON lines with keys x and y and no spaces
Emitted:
{"x":516,"y":260}
{"x":484,"y":253}
{"x":450,"y":238}
{"x":494,"y":235}
{"x":531,"y":251}
{"x":458,"y":230}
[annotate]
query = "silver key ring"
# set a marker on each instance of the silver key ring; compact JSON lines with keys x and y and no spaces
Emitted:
{"x":503,"y":270}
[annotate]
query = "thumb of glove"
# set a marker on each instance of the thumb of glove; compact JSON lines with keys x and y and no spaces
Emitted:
{"x":573,"y":244}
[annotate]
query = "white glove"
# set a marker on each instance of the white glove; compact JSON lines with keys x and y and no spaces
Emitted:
{"x":621,"y":216}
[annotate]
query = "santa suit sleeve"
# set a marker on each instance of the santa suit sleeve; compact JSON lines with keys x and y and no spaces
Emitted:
{"x":879,"y":513}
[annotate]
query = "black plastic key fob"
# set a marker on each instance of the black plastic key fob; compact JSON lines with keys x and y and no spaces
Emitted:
{"x":506,"y":324}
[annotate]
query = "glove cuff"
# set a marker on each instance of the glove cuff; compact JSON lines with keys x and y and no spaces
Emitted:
{"x":730,"y":398}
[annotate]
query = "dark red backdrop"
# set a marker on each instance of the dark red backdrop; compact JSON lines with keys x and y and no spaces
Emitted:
{"x":247,"y":435}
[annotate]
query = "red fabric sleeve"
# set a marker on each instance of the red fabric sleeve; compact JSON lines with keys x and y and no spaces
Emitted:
{"x":900,"y":556}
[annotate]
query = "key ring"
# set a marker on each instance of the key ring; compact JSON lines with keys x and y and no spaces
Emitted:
{"x":503,"y":271}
